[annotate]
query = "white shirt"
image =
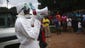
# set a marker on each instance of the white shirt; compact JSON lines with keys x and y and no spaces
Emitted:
{"x":69,"y":22}
{"x":27,"y":34}
{"x":79,"y":25}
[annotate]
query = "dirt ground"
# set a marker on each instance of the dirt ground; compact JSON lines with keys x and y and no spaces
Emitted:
{"x":66,"y":40}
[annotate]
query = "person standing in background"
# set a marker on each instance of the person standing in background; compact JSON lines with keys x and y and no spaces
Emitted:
{"x":46,"y":23}
{"x":59,"y":18}
{"x":79,"y":27}
{"x":56,"y":23}
{"x":64,"y":23}
{"x":69,"y":24}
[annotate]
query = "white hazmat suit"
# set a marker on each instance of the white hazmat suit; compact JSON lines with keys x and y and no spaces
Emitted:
{"x":27,"y":34}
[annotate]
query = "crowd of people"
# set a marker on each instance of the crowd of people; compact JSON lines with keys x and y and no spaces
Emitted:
{"x":68,"y":23}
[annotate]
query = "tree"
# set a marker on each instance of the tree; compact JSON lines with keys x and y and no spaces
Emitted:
{"x":63,"y":5}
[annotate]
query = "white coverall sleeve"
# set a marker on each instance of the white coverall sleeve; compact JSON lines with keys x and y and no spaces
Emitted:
{"x":32,"y":32}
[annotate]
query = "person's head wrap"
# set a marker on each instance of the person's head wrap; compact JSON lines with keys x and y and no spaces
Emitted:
{"x":22,"y":7}
{"x":25,"y":8}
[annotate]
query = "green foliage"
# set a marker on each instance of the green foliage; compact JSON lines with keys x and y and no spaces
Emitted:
{"x":64,"y":5}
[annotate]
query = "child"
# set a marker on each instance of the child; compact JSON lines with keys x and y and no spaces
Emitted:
{"x":79,"y":27}
{"x":69,"y":25}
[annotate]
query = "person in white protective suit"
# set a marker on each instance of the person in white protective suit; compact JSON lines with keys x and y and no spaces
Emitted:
{"x":27,"y":29}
